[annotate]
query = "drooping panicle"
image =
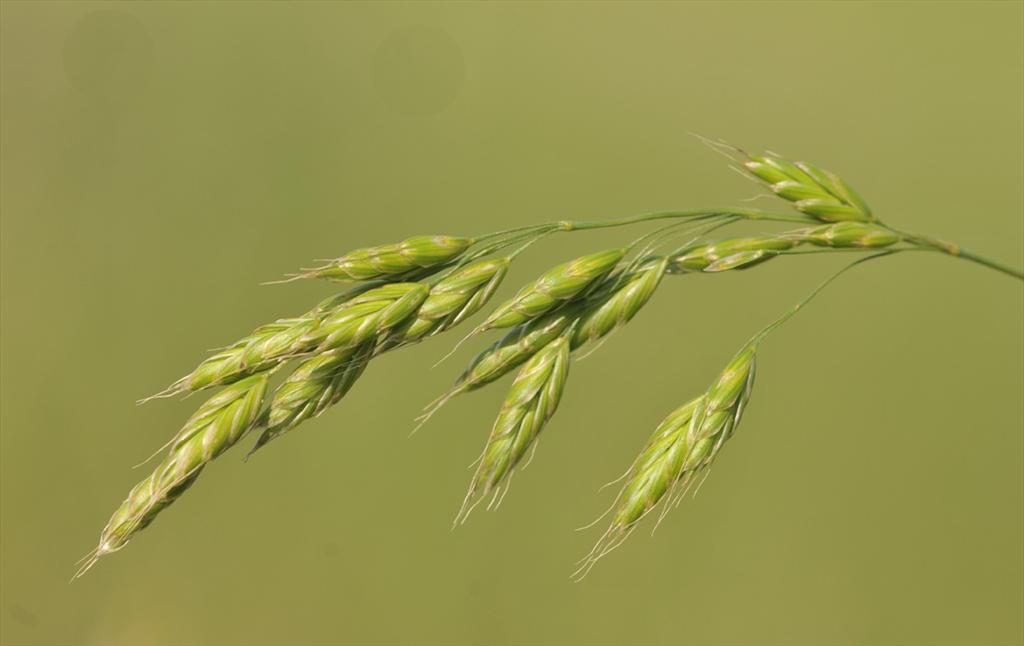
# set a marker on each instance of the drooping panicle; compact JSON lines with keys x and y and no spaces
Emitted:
{"x":530,"y":403}
{"x":314,"y":386}
{"x":218,"y":424}
{"x":423,"y":286}
{"x":452,"y":300}
{"x":553,"y":288}
{"x":620,"y":303}
{"x":812,"y":190}
{"x":415,"y":256}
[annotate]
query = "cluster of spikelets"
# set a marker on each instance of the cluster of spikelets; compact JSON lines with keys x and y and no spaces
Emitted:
{"x":427,"y":285}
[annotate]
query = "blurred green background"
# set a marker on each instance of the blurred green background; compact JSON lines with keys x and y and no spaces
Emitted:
{"x":160,"y":160}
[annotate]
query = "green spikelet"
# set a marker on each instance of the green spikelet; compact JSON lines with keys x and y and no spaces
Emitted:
{"x":620,"y":303}
{"x":367,"y":316}
{"x":658,"y":466}
{"x":814,"y":191}
{"x":741,"y":260}
{"x":849,"y":234}
{"x":218,"y":424}
{"x":313,"y":387}
{"x":414,"y":256}
{"x":734,"y":253}
{"x":512,"y":350}
{"x":691,"y":438}
{"x":515,"y":348}
{"x":260,"y":350}
{"x":452,"y":300}
{"x":724,"y":405}
{"x":530,"y":403}
{"x":553,"y":288}
{"x":684,"y":445}
{"x":264,"y":348}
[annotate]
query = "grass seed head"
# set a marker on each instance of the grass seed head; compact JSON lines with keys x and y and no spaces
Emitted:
{"x":530,"y":403}
{"x":514,"y":348}
{"x":657,"y":467}
{"x":684,"y":445}
{"x":392,"y":261}
{"x":367,"y":316}
{"x":814,"y":191}
{"x":428,"y":284}
{"x":712,"y":256}
{"x":725,"y":402}
{"x":849,"y":234}
{"x":553,"y":288}
{"x":452,"y":300}
{"x":620,"y":304}
{"x":314,"y":386}
{"x":741,"y":260}
{"x":218,"y":424}
{"x":264,"y":348}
